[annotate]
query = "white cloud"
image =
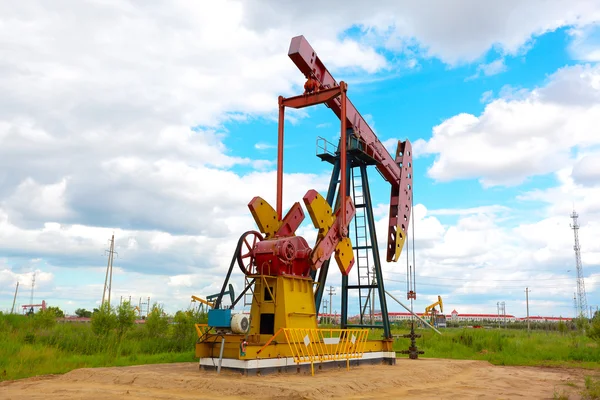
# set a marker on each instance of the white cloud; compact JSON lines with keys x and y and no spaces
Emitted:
{"x":456,"y":32}
{"x":585,"y":42}
{"x":96,"y":137}
{"x":470,"y":211}
{"x":492,"y":68}
{"x":514,"y":139}
{"x":391,"y":145}
{"x":264,"y":146}
{"x":486,"y":96}
{"x":587,"y":170}
{"x":479,"y":258}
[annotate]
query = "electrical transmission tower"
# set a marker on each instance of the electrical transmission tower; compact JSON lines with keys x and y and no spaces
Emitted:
{"x":331,"y":293}
{"x":32,"y":287}
{"x":582,"y":307}
{"x":501,"y":305}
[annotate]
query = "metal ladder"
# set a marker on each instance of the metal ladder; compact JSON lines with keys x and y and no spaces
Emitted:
{"x":362,"y":246}
{"x":249,"y":294}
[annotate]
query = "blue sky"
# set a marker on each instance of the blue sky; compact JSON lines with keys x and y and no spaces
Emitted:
{"x":167,"y":135}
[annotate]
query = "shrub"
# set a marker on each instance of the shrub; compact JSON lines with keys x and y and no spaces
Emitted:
{"x":44,"y":319}
{"x":104,"y":321}
{"x":125,"y":318}
{"x":157,"y":323}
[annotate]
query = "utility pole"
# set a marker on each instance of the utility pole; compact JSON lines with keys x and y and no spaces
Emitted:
{"x":109,"y":270}
{"x":581,"y":297}
{"x":527,"y":299}
{"x":326,"y":310}
{"x":32,"y":287}
{"x":373,"y":282}
{"x":331,"y":293}
{"x":498,"y":309}
{"x":574,"y":305}
{"x":15,"y":299}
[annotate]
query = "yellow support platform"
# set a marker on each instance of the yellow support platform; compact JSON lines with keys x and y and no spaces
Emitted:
{"x":284,"y":335}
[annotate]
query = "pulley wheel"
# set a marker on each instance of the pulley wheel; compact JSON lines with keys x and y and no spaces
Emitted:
{"x":245,"y":251}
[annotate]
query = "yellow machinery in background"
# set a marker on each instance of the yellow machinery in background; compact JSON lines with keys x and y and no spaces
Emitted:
{"x":432,"y":315}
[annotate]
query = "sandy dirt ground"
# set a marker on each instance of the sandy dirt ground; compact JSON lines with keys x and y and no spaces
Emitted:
{"x":410,"y":379}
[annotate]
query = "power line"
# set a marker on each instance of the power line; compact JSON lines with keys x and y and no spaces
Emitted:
{"x":490,"y":280}
{"x":482,"y":286}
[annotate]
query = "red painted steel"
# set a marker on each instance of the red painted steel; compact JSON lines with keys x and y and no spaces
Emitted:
{"x":279,"y":204}
{"x":282,"y":256}
{"x":343,"y":153}
{"x":291,"y":222}
{"x":393,"y":170}
{"x":311,"y":99}
{"x":327,"y":244}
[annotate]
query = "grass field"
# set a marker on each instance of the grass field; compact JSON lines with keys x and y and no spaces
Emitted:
{"x":29,"y":346}
{"x":509,"y":347}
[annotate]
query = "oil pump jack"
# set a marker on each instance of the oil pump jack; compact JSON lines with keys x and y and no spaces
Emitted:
{"x":286,"y":277}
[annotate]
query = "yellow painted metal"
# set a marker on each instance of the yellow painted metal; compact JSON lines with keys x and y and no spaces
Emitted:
{"x":344,"y":255}
{"x":320,"y":214}
{"x":265,"y":216}
{"x":201,"y":329}
{"x":208,"y":303}
{"x":312,"y":345}
{"x":430,"y":310}
{"x":278,"y":346}
{"x":281,"y":302}
{"x":322,"y":218}
{"x":289,"y":328}
{"x":400,"y":239}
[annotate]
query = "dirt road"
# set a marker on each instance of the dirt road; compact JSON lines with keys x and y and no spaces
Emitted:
{"x":412,"y":379}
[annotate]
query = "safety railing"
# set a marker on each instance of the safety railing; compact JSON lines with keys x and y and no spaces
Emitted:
{"x":318,"y":345}
{"x":325,"y":147}
{"x":201,"y":329}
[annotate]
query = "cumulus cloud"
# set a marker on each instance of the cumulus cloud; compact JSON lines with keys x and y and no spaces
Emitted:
{"x":585,"y":42}
{"x":457,"y":32}
{"x":514,"y":139}
{"x":112,"y":121}
{"x":587,"y":170}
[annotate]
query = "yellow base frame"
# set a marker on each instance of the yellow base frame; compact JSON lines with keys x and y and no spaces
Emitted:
{"x":210,"y":347}
{"x":283,"y":324}
{"x":301,"y":345}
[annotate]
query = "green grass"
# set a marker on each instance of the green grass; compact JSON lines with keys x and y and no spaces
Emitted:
{"x":508,"y":347}
{"x":32,"y":346}
{"x":592,"y":388}
{"x":28,"y":349}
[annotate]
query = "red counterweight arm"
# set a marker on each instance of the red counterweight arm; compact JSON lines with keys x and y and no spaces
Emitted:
{"x":398,"y":171}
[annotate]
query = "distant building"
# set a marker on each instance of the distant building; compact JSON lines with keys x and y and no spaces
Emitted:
{"x":456,"y":317}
